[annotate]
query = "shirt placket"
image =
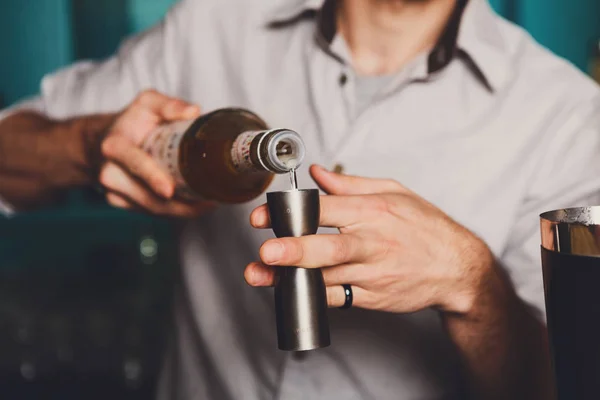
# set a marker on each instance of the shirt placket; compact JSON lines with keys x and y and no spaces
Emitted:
{"x":346,"y":138}
{"x":295,"y":382}
{"x":330,"y":86}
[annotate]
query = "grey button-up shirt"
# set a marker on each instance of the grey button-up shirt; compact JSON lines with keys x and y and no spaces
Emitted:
{"x":492,"y":128}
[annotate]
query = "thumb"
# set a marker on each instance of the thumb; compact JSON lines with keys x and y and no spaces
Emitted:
{"x":339,"y":184}
{"x":166,"y":107}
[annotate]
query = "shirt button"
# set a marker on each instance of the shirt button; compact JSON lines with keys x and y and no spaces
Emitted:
{"x":338,"y":169}
{"x":343,"y":79}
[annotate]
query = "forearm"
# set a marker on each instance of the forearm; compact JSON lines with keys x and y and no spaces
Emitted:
{"x":40,"y":157}
{"x":504,"y":348}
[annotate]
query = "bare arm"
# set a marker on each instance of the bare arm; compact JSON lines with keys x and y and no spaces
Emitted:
{"x":503,"y":346}
{"x":40,"y":157}
{"x":401,"y":254}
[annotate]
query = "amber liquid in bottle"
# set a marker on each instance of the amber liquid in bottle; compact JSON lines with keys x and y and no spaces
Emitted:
{"x":227,"y":156}
{"x":595,"y":61}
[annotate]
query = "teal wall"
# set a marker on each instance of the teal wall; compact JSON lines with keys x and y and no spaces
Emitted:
{"x":143,"y":13}
{"x":37,"y":36}
{"x":566,"y":26}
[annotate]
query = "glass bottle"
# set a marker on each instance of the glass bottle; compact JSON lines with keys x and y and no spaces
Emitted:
{"x":227,"y":156}
{"x":595,"y":60}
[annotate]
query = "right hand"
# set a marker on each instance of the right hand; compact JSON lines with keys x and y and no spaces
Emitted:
{"x":132,"y":179}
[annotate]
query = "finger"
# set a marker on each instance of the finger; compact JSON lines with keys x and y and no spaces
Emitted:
{"x":115,"y":179}
{"x":333,"y":183}
{"x":259,"y":275}
{"x":118,"y":201}
{"x":259,"y":217}
{"x":140,"y":164}
{"x":336,"y":211}
{"x":173,"y":209}
{"x":336,"y":297}
{"x":316,"y":251}
{"x":354,"y":274}
{"x":166,"y":107}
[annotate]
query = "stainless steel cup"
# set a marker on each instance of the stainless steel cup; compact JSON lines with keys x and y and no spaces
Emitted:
{"x":300,"y":295}
{"x":571,"y":268}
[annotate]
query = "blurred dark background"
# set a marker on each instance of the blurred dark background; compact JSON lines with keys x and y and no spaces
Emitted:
{"x":85,"y":289}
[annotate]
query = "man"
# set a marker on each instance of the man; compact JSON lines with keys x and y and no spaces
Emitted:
{"x":455,"y":130}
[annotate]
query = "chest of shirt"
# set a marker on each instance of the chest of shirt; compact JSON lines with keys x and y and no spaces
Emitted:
{"x":448,"y":139}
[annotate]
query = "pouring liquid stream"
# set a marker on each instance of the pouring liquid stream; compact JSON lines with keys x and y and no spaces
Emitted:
{"x":293,"y":179}
{"x":285,"y":153}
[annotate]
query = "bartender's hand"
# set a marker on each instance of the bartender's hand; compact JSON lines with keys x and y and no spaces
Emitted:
{"x":399,"y":252}
{"x":132,"y":179}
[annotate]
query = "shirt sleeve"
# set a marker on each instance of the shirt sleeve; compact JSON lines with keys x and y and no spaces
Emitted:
{"x":567,"y":175}
{"x":149,"y":60}
{"x":146,"y":61}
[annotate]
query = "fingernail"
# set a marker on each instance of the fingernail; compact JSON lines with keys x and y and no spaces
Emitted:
{"x":272,"y":252}
{"x":256,"y":219}
{"x":167,"y":191}
{"x":259,"y":276}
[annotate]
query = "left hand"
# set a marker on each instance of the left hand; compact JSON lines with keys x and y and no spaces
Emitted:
{"x":400,"y":253}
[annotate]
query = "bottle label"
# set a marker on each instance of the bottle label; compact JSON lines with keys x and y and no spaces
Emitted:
{"x":240,"y":151}
{"x":163,"y":146}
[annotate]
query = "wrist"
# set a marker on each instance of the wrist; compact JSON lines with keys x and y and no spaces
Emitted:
{"x":49,"y":156}
{"x":95,"y":129}
{"x":81,"y":139}
{"x":478,"y":279}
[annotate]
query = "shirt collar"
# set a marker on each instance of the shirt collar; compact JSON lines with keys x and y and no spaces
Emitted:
{"x":291,"y":10}
{"x":472,"y":34}
{"x":480,"y":39}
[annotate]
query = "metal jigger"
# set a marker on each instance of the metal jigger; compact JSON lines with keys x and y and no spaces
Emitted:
{"x":300,"y":296}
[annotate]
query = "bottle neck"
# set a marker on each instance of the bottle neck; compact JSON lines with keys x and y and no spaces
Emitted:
{"x":277,"y":151}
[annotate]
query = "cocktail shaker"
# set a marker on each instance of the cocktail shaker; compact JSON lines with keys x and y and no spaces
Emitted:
{"x":571,"y":268}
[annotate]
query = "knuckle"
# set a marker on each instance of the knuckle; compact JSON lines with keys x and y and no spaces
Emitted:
{"x":139,"y":167}
{"x":146,"y":96}
{"x":387,"y":247}
{"x":109,"y":146}
{"x":340,"y":250}
{"x":296,"y":250}
{"x":380,"y":248}
{"x":392,"y":185}
{"x":176,"y":103}
{"x":379,"y":204}
{"x":369,"y":301}
{"x":157,"y":184}
{"x":292,"y":249}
